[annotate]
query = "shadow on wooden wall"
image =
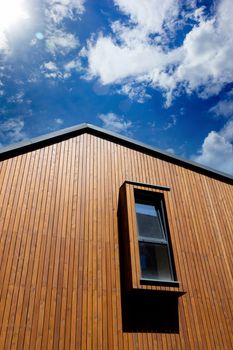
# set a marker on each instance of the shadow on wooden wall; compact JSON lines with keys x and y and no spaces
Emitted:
{"x":149,"y":311}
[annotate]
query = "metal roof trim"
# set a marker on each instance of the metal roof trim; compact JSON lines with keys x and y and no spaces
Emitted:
{"x":37,"y":142}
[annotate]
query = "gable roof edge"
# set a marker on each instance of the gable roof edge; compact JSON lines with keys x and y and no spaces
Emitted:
{"x":54,"y":137}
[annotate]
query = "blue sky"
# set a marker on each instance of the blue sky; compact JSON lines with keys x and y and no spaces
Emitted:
{"x":157,"y":71}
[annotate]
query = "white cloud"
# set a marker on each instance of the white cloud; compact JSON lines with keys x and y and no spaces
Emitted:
{"x":115,"y":123}
{"x":114,"y":63}
{"x":11,"y":130}
{"x":59,"y":41}
{"x":50,"y":66}
{"x":150,"y":15}
{"x":18,"y":98}
{"x":59,"y":121}
{"x":223,"y":108}
{"x":207,"y":49}
{"x":217,"y":149}
{"x":135,"y":92}
{"x":4,"y":46}
{"x":171,"y":122}
{"x":202,"y":63}
{"x":73,"y":65}
{"x":57,"y":10}
{"x":33,"y":77}
{"x":170,"y":150}
{"x":50,"y":70}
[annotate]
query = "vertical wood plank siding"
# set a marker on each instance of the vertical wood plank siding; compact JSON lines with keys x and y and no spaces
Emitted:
{"x":60,"y":283}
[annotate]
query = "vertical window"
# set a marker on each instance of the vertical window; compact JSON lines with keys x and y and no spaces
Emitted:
{"x":152,"y":230}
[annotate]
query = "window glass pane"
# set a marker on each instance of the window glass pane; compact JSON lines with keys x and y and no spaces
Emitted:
{"x":148,"y":221}
{"x":154,"y":261}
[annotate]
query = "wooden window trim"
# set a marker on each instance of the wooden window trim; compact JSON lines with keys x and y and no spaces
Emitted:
{"x":132,"y":269}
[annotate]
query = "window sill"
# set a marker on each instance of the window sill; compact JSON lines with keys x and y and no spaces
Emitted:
{"x":154,"y":282}
{"x":166,"y":287}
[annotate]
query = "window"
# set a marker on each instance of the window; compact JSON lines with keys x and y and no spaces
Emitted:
{"x":144,"y":237}
{"x":154,"y":252}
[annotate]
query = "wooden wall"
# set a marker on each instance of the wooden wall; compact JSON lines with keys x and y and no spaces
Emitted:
{"x":59,"y":249}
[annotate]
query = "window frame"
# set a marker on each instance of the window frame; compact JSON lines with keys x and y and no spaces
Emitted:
{"x":149,"y":198}
{"x":129,"y":241}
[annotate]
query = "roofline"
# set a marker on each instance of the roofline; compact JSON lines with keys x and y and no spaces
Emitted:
{"x":57,"y":136}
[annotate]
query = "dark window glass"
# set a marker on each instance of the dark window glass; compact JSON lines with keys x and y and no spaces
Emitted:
{"x":154,"y":261}
{"x":149,"y":222}
{"x":155,"y":258}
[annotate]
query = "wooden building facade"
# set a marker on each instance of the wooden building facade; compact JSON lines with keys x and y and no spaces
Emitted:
{"x":71,"y":261}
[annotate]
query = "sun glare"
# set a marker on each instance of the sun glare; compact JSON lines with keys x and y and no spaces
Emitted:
{"x":11,"y":13}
